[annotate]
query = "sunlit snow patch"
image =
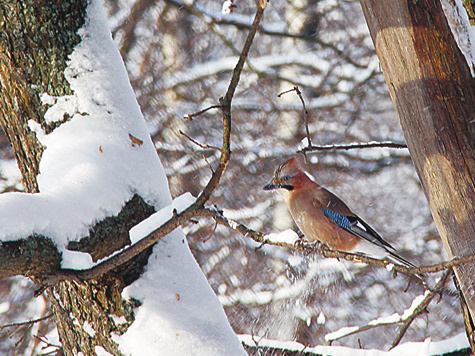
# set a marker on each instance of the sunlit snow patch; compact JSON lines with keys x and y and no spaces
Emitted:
{"x":287,"y":236}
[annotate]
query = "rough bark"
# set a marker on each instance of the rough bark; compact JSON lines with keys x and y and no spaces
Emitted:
{"x":99,"y":244}
{"x":33,"y":53}
{"x":434,"y":95}
{"x":34,"y":50}
{"x":85,"y":314}
{"x":33,"y":256}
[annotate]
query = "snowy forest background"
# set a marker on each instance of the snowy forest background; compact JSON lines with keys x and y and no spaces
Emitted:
{"x":179,"y":56}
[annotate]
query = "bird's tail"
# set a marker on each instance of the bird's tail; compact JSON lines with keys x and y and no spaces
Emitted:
{"x":402,"y":261}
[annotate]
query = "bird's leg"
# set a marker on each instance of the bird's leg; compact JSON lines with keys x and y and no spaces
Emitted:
{"x":320,"y":246}
{"x":300,"y":244}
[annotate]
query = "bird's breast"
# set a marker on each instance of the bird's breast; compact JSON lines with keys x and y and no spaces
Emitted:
{"x":316,"y":226}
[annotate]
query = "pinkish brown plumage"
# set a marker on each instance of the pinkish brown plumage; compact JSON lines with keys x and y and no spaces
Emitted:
{"x":322,"y":216}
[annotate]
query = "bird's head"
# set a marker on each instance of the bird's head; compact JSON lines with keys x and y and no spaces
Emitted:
{"x":286,"y":176}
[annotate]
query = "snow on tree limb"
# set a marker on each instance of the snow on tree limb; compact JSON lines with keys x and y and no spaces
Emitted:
{"x":418,"y":306}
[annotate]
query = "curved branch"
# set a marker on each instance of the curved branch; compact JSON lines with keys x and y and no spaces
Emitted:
{"x":197,"y":207}
{"x":226,"y":109}
{"x":196,"y":210}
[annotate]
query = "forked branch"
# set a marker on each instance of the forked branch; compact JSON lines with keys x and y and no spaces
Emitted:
{"x":195,"y":209}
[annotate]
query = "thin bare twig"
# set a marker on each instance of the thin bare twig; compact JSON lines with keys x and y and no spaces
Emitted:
{"x":352,"y":146}
{"x":199,"y":144}
{"x":407,"y":321}
{"x":209,"y":164}
{"x":285,"y":92}
{"x":28,"y":322}
{"x":306,"y":114}
{"x":198,"y":11}
{"x":41,"y":339}
{"x":27,"y":330}
{"x":201,"y":112}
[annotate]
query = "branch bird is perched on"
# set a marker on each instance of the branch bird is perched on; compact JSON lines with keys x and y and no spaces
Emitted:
{"x":322,"y":216}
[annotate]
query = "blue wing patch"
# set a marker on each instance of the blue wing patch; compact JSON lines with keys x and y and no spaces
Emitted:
{"x":341,"y":220}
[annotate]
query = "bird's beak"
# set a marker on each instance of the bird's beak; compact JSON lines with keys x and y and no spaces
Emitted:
{"x":271,"y":186}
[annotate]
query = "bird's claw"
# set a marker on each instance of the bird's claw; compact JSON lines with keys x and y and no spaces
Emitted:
{"x":320,"y":246}
{"x":300,"y":245}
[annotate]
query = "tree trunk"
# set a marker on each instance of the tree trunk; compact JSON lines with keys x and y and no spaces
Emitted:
{"x":434,"y":95}
{"x":33,"y":56}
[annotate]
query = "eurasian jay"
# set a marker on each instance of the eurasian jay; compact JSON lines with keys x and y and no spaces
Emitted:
{"x":322,"y":216}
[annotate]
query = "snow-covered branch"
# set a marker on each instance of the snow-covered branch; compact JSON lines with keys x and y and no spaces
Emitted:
{"x":177,"y":219}
{"x":418,"y":306}
{"x":448,"y":347}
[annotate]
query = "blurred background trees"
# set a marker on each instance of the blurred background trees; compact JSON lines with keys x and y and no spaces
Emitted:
{"x":179,"y":55}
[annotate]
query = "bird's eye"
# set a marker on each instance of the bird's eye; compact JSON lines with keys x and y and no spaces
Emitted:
{"x":286,"y":178}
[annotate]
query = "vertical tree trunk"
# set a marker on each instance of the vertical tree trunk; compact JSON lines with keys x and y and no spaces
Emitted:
{"x":33,"y":54}
{"x":434,"y":95}
{"x":34,"y":50}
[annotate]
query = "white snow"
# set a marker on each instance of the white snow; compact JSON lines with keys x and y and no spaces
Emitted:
{"x":75,"y":320}
{"x":100,"y":351}
{"x":118,"y":320}
{"x":287,"y":236}
{"x":295,"y":260}
{"x":228,"y":7}
{"x":89,"y":329}
{"x":179,"y":315}
{"x":247,"y":212}
{"x":341,"y":332}
{"x":59,"y":107}
{"x":415,"y":303}
{"x":90,"y":167}
{"x":463,"y":31}
{"x":214,"y":259}
{"x":393,"y":318}
{"x":76,"y":260}
{"x":425,"y":348}
{"x":81,"y":260}
{"x":4,"y":307}
{"x":93,"y":164}
{"x":266,"y":64}
{"x":384,"y":320}
{"x":321,"y":318}
{"x":151,"y":223}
